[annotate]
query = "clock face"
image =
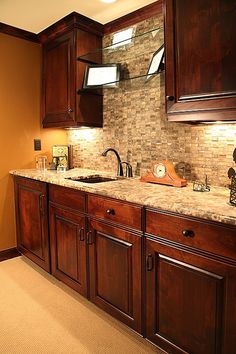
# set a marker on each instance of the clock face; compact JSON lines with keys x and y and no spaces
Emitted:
{"x":159,"y":170}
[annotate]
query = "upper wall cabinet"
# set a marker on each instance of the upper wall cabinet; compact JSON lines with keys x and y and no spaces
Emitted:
{"x":200,"y":60}
{"x":63,"y":75}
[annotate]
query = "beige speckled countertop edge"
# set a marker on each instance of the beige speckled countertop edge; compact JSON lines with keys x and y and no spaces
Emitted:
{"x":213,"y":205}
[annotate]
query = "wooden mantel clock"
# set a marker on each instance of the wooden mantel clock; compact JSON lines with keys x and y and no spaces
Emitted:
{"x":163,"y":172}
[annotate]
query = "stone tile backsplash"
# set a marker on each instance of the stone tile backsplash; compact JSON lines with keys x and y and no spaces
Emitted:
{"x":135,"y":122}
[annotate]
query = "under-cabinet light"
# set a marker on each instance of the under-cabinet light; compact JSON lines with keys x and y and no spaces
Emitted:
{"x":219,"y":122}
{"x":82,"y":133}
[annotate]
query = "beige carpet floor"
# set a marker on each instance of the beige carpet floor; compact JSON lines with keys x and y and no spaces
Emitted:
{"x":39,"y":314}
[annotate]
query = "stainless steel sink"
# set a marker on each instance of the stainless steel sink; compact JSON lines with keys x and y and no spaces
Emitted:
{"x":92,"y":179}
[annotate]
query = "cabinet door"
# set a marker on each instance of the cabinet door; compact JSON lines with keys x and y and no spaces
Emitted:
{"x":191,"y":301}
{"x":32,"y":220}
{"x":68,"y":247}
{"x":58,"y":96}
{"x":89,"y":103}
{"x":115,"y":272}
{"x":200,"y":58}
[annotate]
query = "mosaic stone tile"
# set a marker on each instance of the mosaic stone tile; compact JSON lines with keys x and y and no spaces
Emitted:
{"x":135,"y":123}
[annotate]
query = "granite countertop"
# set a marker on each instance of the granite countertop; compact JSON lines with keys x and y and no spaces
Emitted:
{"x":213,"y":205}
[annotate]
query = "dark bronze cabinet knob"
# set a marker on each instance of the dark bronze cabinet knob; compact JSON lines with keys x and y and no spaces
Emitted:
{"x":70,"y":110}
{"x":187,"y":233}
{"x":111,"y":211}
{"x":170,"y":98}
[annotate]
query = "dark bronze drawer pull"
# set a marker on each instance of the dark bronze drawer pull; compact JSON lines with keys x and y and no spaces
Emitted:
{"x":81,"y":234}
{"x":110,"y":211}
{"x":89,"y":238}
{"x":188,"y":233}
{"x":149,"y":263}
{"x":41,"y":198}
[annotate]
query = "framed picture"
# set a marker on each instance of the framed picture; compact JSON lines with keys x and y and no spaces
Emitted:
{"x":101,"y":75}
{"x":157,"y":63}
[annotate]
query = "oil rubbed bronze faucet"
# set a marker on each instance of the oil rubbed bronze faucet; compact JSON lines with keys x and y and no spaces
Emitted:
{"x":119,"y":164}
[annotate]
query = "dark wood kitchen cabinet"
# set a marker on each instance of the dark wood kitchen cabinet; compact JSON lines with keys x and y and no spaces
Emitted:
{"x":32,"y":220}
{"x":200,"y":57}
{"x":190,"y":285}
{"x":176,"y":283}
{"x":67,"y":237}
{"x":115,"y":259}
{"x":63,"y":42}
{"x":105,"y":238}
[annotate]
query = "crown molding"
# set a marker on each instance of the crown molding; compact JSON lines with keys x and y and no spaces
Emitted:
{"x":154,"y":9}
{"x":70,"y":22}
{"x":76,"y":20}
{"x":17,"y":32}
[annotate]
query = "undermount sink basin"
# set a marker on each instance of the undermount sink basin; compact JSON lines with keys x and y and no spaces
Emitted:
{"x":92,"y":179}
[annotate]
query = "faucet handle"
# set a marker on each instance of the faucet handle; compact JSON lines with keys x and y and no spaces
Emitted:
{"x":129,"y":172}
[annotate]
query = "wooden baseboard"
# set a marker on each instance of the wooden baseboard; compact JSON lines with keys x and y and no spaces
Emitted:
{"x":9,"y":253}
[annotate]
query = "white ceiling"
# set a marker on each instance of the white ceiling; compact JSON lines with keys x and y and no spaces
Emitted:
{"x":36,"y":15}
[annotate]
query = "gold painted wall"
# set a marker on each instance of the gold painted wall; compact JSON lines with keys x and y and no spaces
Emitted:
{"x":20,"y":72}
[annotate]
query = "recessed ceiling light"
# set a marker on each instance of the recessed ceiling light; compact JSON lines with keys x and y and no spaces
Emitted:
{"x":108,"y":1}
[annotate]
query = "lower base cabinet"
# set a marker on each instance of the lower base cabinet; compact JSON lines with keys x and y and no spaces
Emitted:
{"x":115,"y":272}
{"x":68,"y":248}
{"x":185,"y":299}
{"x":100,"y":261}
{"x":32,"y":220}
{"x":190,"y":301}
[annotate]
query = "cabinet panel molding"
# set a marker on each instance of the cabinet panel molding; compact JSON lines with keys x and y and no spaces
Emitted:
{"x":32,"y":227}
{"x":113,"y":265}
{"x":200,"y":55}
{"x":115,"y":272}
{"x":62,"y":104}
{"x":68,"y":247}
{"x":58,"y":96}
{"x":190,"y":301}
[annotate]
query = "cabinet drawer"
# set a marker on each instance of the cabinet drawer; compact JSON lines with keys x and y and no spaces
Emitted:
{"x":216,"y":238}
{"x":71,"y":198}
{"x":117,"y":211}
{"x":31,"y":183}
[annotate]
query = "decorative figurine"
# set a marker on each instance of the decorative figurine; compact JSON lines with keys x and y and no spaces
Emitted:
{"x":201,"y":187}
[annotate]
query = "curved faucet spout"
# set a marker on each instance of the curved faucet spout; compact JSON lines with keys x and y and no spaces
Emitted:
{"x":119,"y":165}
